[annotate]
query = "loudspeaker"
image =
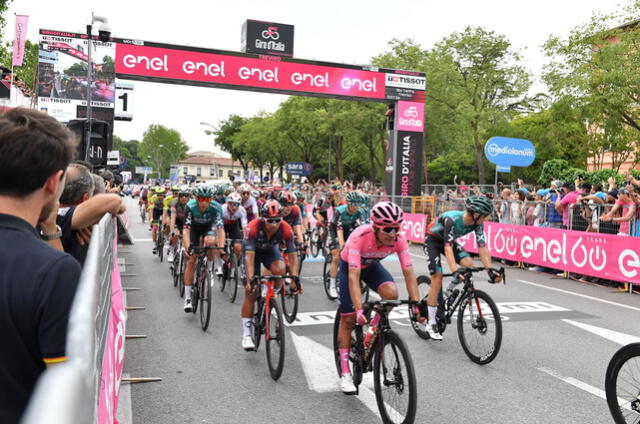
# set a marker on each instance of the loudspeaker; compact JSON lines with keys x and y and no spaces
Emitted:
{"x":99,"y":144}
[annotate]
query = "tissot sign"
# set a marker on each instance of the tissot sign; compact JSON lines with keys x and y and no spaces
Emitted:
{"x":268,"y":38}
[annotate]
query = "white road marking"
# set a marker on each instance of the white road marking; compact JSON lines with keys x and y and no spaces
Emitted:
{"x":320,"y":370}
{"x":507,"y":308}
{"x":622,"y":305}
{"x":575,"y":382}
{"x":614,"y":336}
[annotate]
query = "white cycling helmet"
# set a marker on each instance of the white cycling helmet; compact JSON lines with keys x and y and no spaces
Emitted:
{"x":234,"y":197}
{"x":245,"y":188}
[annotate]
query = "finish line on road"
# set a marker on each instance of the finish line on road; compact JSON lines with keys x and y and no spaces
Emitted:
{"x":505,"y":308}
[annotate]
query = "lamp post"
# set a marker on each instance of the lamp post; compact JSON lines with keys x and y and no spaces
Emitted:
{"x":105,"y":35}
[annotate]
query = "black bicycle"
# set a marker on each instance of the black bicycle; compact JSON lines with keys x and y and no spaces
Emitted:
{"x":622,"y":384}
{"x":267,"y":320}
{"x":388,"y":357}
{"x":478,"y":321}
{"x":364,"y":289}
{"x":318,"y":239}
{"x":201,"y":292}
{"x":231,"y":270}
{"x":160,"y":241}
{"x":177,"y":268}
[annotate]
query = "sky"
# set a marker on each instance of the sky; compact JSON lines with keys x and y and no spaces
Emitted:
{"x":343,"y":31}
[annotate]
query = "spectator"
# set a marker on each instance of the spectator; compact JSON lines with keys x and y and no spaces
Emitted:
{"x":540,"y":209}
{"x":591,"y":207}
{"x":516,"y":208}
{"x":80,"y":210}
{"x":628,"y":207}
{"x":37,"y":282}
{"x":569,"y":197}
{"x":504,"y":213}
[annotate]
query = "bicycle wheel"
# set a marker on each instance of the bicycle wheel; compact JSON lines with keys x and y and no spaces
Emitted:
{"x":195,"y":288}
{"x":314,"y":246}
{"x":181,"y":276}
{"x":325,"y":277}
{"x":226,"y":274}
{"x":289,"y":301}
{"x":622,"y":384}
{"x":258,"y":322}
{"x":160,"y":244}
{"x":205,"y":298}
{"x":423,"y":288}
{"x":356,"y":354}
{"x":234,"y":279}
{"x":175,"y":269}
{"x":274,"y":340}
{"x":394,"y":380}
{"x":479,"y":327}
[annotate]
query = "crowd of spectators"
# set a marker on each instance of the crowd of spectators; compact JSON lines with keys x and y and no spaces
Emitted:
{"x":48,"y":204}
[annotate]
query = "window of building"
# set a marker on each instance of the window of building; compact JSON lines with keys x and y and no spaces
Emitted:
{"x":185,"y":170}
{"x":199,"y":172}
{"x":212,"y":172}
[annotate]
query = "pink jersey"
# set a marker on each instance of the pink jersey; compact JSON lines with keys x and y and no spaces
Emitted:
{"x":361,"y":249}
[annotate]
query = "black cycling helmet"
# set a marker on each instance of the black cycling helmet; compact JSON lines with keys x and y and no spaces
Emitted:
{"x":479,"y":204}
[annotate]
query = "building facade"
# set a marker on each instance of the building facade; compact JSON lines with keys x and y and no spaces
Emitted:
{"x":204,"y":166}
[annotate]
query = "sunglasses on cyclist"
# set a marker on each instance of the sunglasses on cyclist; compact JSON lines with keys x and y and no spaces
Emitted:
{"x":233,"y":204}
{"x":273,"y":220}
{"x":204,"y":199}
{"x":389,"y":230}
{"x":246,"y":193}
{"x":183,"y":195}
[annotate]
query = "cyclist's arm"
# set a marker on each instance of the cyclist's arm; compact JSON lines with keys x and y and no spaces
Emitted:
{"x":354,"y":288}
{"x":411,"y":282}
{"x":172,"y":225}
{"x":249,"y":256}
{"x":340,"y":234}
{"x":186,"y":231}
{"x":298,"y":231}
{"x":449,"y":240}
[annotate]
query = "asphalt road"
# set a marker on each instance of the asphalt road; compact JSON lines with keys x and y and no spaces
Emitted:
{"x":558,"y":337}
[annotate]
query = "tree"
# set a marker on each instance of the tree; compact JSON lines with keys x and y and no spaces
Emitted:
{"x":597,"y":69}
{"x":26,"y":72}
{"x":4,"y":6}
{"x":478,"y":80}
{"x":224,"y":138}
{"x":160,"y":147}
{"x":128,"y":150}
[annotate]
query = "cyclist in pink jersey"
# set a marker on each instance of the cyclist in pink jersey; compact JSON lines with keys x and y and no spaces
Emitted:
{"x":360,"y":260}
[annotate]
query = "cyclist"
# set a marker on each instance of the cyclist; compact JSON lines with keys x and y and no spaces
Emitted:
{"x":178,"y":210}
{"x":300,"y":203}
{"x":220,"y":194}
{"x":203,"y":214}
{"x":249,"y":202}
{"x":320,"y":212}
{"x":234,"y":217}
{"x":345,"y":219}
{"x":292,"y":214}
{"x":441,"y":239}
{"x":158,"y":214}
{"x":144,"y":198}
{"x":262,"y":246}
{"x":360,"y":260}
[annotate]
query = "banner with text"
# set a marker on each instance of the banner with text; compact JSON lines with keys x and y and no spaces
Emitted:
{"x":408,"y":163}
{"x":607,"y":256}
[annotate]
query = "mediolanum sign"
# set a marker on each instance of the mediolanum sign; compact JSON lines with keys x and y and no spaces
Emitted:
{"x":268,"y":38}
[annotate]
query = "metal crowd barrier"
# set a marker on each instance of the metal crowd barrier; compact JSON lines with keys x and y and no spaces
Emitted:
{"x":68,"y":392}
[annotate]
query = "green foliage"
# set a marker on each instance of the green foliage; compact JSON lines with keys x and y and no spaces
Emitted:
{"x":553,"y":170}
{"x":160,"y":147}
{"x":128,"y":150}
{"x":26,"y":72}
{"x":4,"y":6}
{"x":601,"y":176}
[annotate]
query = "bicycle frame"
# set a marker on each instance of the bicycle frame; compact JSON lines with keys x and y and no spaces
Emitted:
{"x":466,"y":293}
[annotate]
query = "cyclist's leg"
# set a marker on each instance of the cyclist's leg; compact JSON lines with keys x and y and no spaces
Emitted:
{"x":210,"y":241}
{"x":433,"y":249}
{"x":347,"y":317}
{"x":379,"y":279}
{"x":274,"y":262}
{"x":195,"y":238}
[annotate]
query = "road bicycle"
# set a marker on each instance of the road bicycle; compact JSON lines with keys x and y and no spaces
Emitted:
{"x":160,"y":240}
{"x":326,"y":268}
{"x":318,"y":239}
{"x":290,"y":298}
{"x":478,"y":321}
{"x":231,"y":270}
{"x":202,"y":285}
{"x":177,"y":267}
{"x":267,"y":320}
{"x":622,"y":384}
{"x":388,"y":357}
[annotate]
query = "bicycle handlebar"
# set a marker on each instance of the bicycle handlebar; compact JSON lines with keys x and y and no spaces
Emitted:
{"x":492,"y":271}
{"x":202,"y":249}
{"x":274,"y":277}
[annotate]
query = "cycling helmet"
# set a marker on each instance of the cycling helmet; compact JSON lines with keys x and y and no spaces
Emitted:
{"x":365,"y":199}
{"x":160,"y":190}
{"x":386,"y":213}
{"x":203,"y":190}
{"x":353,"y":197}
{"x":479,"y":204}
{"x":234,"y":198}
{"x":244,"y":188}
{"x":271,"y":209}
{"x":175,"y":188}
{"x":286,"y":198}
{"x":255,"y":193}
{"x":298,"y":194}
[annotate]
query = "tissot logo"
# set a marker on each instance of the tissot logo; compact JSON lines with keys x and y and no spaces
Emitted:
{"x":405,"y":81}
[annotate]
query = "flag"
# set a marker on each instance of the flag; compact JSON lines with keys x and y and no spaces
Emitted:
{"x":19,"y":39}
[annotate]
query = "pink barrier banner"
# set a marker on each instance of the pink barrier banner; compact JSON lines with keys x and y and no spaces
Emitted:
{"x":113,"y":360}
{"x":414,"y":226}
{"x":607,"y":256}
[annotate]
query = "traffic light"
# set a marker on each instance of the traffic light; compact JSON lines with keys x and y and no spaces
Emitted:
{"x":99,"y":144}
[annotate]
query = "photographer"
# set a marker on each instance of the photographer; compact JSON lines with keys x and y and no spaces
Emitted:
{"x":555,"y":219}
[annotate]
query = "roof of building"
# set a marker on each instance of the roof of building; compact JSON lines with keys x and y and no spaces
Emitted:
{"x":207,"y":158}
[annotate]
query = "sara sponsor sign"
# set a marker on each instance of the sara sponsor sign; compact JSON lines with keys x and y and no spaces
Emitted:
{"x":201,"y":67}
{"x":268,"y":38}
{"x":508,"y":152}
{"x":600,"y":255}
{"x":299,"y":168}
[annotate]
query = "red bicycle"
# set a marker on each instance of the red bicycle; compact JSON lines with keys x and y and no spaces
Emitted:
{"x":267,"y":320}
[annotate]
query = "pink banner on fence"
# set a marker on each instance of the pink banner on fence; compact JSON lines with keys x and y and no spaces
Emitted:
{"x":413,"y":227}
{"x":113,"y":360}
{"x":607,"y":256}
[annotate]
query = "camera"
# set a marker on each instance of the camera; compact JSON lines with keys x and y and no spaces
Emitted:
{"x":104,"y":33}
